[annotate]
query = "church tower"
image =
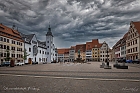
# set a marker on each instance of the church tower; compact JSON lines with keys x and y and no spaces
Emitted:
{"x":49,"y":45}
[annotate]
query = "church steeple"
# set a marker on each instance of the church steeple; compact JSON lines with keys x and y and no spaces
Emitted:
{"x":49,"y":33}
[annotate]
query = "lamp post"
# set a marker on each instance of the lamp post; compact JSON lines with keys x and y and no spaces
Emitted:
{"x":24,"y":50}
{"x":107,"y":57}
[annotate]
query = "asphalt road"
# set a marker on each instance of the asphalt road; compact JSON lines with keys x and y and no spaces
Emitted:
{"x":69,"y":78}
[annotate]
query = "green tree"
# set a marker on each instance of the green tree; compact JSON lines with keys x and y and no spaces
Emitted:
{"x":25,"y":55}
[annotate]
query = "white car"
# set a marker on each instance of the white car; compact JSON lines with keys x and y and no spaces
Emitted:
{"x":19,"y":63}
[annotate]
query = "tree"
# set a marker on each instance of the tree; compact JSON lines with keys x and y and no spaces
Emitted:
{"x":25,"y":55}
{"x":7,"y":56}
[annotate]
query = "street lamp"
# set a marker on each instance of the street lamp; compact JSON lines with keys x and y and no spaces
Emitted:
{"x":107,"y":56}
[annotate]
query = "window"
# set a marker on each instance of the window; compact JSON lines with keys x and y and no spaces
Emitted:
{"x":1,"y":55}
{"x":43,"y":52}
{"x":39,"y":59}
{"x":29,"y":49}
{"x":135,"y":34}
{"x":136,"y":49}
{"x":4,"y":54}
{"x":7,"y":40}
{"x":133,"y":49}
{"x":4,"y":39}
{"x":128,"y":44}
{"x":40,"y":51}
{"x":4,"y":46}
{"x":8,"y":48}
{"x":136,"y":41}
{"x":47,"y":53}
{"x":128,"y":51}
{"x":13,"y":48}
{"x":47,"y":41}
{"x":13,"y":42}
{"x":1,"y":38}
{"x":21,"y":44}
{"x":1,"y":46}
{"x":13,"y":55}
{"x":48,"y":46}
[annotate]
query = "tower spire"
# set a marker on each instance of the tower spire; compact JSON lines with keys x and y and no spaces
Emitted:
{"x":49,"y":33}
{"x":49,"y":25}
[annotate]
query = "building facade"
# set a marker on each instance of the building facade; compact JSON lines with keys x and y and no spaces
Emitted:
{"x":11,"y":44}
{"x":35,"y":49}
{"x":39,"y":51}
{"x":89,"y":51}
{"x":82,"y":48}
{"x":133,"y":41}
{"x":72,"y":54}
{"x":104,"y":52}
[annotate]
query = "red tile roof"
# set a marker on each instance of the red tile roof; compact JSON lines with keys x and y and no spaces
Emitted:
{"x":95,"y":43}
{"x":10,"y":33}
{"x":137,"y":26}
{"x":63,"y":51}
{"x":82,"y":48}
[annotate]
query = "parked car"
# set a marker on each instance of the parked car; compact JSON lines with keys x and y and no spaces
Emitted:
{"x":44,"y":62}
{"x":136,"y":61}
{"x":34,"y":62}
{"x":121,"y":60}
{"x":5,"y":63}
{"x":129,"y":61}
{"x":19,"y":64}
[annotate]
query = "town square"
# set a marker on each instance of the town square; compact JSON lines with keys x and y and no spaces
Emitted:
{"x":69,"y":78}
{"x":69,"y":46}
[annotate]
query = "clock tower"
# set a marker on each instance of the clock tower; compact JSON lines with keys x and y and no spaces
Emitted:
{"x":49,"y":45}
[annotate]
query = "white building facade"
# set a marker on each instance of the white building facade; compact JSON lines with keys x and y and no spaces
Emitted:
{"x":35,"y":50}
{"x":50,"y":46}
{"x":89,"y":55}
{"x":38,"y":51}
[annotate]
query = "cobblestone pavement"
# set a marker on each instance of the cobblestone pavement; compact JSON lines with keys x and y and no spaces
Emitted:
{"x":69,"y":78}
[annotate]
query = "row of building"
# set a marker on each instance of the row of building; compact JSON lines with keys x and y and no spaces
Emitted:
{"x":28,"y":48}
{"x":25,"y":48}
{"x":128,"y":47}
{"x":91,"y":51}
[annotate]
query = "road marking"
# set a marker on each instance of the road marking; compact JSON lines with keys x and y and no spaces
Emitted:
{"x":76,"y":78}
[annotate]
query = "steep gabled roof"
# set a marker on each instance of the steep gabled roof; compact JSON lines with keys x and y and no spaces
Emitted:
{"x":10,"y":33}
{"x":27,"y":38}
{"x":41,"y":44}
{"x":95,"y":43}
{"x":137,"y":26}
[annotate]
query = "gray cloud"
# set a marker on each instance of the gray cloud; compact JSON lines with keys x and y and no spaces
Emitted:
{"x":72,"y":21}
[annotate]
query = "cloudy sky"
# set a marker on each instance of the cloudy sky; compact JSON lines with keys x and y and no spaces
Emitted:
{"x":72,"y":21}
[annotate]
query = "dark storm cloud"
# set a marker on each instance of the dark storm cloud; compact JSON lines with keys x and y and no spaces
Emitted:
{"x":72,"y":21}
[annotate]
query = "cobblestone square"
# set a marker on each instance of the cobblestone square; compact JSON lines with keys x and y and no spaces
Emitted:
{"x":69,"y":78}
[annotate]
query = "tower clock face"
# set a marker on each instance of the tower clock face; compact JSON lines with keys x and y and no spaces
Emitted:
{"x":35,"y":50}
